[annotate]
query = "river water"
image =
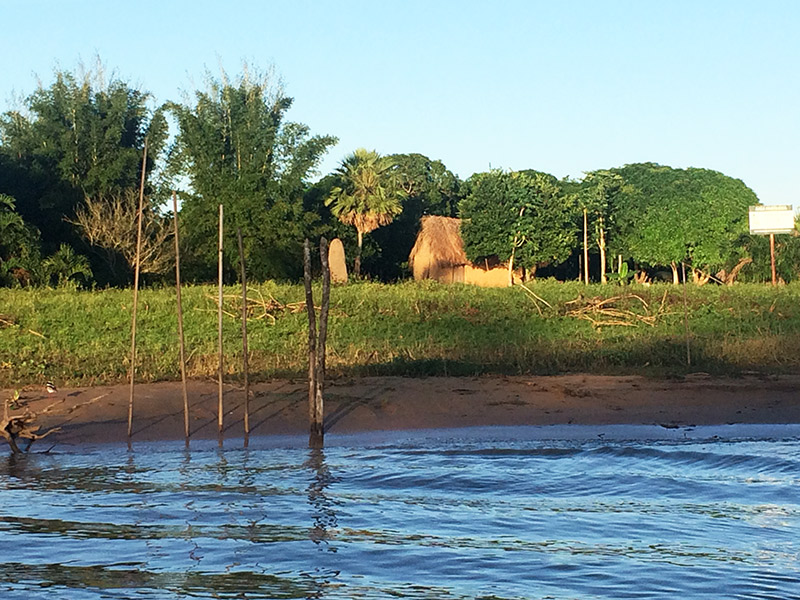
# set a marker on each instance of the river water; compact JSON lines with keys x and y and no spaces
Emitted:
{"x":493,"y":513}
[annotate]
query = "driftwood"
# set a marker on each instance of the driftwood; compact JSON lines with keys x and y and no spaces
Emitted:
{"x":15,"y":427}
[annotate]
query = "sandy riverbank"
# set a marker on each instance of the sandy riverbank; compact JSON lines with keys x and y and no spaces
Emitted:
{"x":99,"y":414}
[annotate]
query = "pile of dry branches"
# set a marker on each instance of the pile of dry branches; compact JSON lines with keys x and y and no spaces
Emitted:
{"x":258,"y":307}
{"x":616,"y":311}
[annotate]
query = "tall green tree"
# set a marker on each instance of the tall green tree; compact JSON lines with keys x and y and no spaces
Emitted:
{"x":668,"y":215}
{"x":597,"y":196}
{"x":81,"y":136}
{"x":368,"y":195}
{"x":236,"y":149}
{"x":522,"y":219}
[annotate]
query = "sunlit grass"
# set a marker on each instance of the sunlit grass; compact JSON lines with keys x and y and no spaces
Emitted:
{"x":411,"y":328}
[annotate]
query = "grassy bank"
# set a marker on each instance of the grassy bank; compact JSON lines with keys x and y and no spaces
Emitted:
{"x":405,"y":329}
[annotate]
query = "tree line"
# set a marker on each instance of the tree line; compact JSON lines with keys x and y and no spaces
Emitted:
{"x":73,"y":156}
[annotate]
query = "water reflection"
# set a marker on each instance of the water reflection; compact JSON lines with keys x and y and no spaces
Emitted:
{"x":324,"y":519}
{"x":323,"y":506}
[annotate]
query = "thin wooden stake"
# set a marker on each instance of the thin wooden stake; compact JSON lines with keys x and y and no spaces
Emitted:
{"x":136,"y":288}
{"x":180,"y":318}
{"x":312,"y":336}
{"x":244,"y":335}
{"x":686,"y":316}
{"x":219,"y":325}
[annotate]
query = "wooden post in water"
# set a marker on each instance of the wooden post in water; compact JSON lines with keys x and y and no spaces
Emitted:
{"x":219,"y":326}
{"x":180,"y":318}
{"x":136,"y":287}
{"x":312,"y":338}
{"x":318,"y":420}
{"x":244,"y":335}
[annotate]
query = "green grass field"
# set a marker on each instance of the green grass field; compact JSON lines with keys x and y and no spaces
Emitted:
{"x":414,"y":329}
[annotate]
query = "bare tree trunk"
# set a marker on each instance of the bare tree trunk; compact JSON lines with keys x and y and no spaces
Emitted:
{"x":731,"y":277}
{"x":601,"y":242}
{"x":357,"y":262}
{"x":772,"y":258}
{"x":511,"y":263}
{"x":675,"y":279}
{"x":586,"y":246}
{"x":700,"y":277}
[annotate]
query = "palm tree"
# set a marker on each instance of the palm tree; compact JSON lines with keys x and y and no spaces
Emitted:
{"x":367,"y":196}
{"x":66,"y":264}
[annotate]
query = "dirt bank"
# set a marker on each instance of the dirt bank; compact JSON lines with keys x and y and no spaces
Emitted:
{"x":99,"y":414}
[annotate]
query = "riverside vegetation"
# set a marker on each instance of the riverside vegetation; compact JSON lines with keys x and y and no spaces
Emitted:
{"x":408,"y":329}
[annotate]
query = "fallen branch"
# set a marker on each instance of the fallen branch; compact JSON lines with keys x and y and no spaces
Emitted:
{"x":535,"y":299}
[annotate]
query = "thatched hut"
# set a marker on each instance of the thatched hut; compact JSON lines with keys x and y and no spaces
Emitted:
{"x":439,"y":254}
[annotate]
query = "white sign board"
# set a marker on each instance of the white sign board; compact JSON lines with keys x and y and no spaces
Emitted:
{"x":771,"y":219}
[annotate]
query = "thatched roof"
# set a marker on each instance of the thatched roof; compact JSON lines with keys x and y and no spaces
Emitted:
{"x":439,"y":242}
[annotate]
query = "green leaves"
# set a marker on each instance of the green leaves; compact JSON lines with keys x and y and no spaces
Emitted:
{"x":526,"y":215}
{"x":665,"y":215}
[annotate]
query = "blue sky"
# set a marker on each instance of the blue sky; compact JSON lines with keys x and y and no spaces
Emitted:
{"x":560,"y":86}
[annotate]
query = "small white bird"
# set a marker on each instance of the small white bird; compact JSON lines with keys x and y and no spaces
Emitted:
{"x":51,"y":387}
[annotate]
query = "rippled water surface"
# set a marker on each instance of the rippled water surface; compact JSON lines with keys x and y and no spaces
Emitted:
{"x":494,"y":514}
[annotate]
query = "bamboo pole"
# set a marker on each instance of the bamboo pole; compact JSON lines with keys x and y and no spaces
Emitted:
{"x":318,"y":422}
{"x":686,"y":316}
{"x":219,"y":325}
{"x":180,"y":318}
{"x":312,"y":336}
{"x":136,"y":287}
{"x":244,"y":335}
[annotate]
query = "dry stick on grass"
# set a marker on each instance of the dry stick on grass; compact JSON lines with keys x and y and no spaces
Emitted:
{"x":7,"y":323}
{"x":244,"y":335}
{"x":136,"y":287}
{"x":180,"y":318}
